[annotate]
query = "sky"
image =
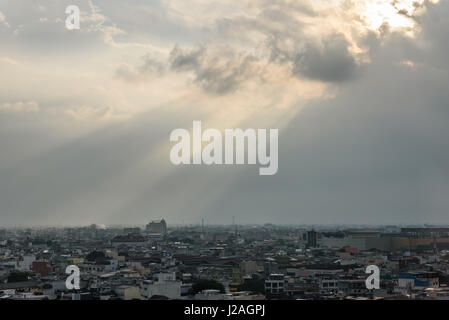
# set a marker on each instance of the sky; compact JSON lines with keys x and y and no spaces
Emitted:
{"x":357,"y":89}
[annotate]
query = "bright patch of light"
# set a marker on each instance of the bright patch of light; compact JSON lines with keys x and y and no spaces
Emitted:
{"x":396,"y":14}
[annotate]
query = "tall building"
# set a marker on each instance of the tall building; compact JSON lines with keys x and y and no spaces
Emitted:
{"x":157,"y":227}
{"x":312,"y":239}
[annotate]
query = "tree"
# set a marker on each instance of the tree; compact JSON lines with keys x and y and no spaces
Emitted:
{"x":253,"y":285}
{"x":95,"y":256}
{"x":17,"y":276}
{"x":201,"y":285}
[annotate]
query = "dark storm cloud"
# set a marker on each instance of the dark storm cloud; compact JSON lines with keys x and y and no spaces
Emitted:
{"x":329,"y":62}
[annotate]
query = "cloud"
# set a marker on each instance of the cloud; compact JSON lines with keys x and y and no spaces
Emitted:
{"x":328,"y":43}
{"x":95,"y":114}
{"x":149,"y":68}
{"x":3,"y":20}
{"x":20,"y":107}
{"x":221,"y":73}
{"x":330,"y":61}
{"x":9,"y":60}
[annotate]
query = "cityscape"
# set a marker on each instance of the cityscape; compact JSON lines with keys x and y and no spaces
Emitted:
{"x":223,"y":158}
{"x":224,"y":262}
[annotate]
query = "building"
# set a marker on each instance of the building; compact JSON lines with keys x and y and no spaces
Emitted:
{"x":41,"y":267}
{"x":213,"y":294}
{"x":328,"y":284}
{"x":159,"y":227}
{"x":164,"y":284}
{"x":411,"y":281}
{"x":425,"y":232}
{"x":360,"y":239}
{"x":134,"y":231}
{"x":248,"y":267}
{"x":23,"y":286}
{"x":275,"y":283}
{"x":210,"y":294}
{"x":312,"y":239}
{"x":130,"y":240}
{"x":27,"y":262}
{"x":353,"y":287}
{"x":125,"y":292}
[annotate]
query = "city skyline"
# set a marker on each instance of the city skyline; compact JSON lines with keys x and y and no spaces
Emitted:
{"x":194,"y":264}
